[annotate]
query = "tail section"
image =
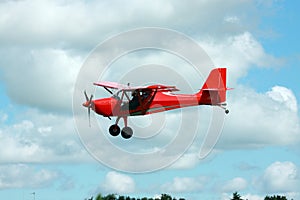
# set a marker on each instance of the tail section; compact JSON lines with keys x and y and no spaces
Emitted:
{"x":213,"y":91}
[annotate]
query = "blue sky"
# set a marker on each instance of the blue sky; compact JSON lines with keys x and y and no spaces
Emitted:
{"x":43,"y":45}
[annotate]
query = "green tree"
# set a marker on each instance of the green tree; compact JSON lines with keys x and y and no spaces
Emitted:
{"x":236,"y":196}
{"x":121,"y":198}
{"x":278,"y":197}
{"x":99,"y":197}
{"x":165,"y":197}
{"x":110,"y":197}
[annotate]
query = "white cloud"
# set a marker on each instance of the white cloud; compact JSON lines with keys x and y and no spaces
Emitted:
{"x":44,"y":129}
{"x":45,"y":54}
{"x":244,"y":166}
{"x":232,"y":19}
{"x":118,"y":183}
{"x":236,"y":184}
{"x":83,"y":22}
{"x":40,"y":78}
{"x":238,"y":53}
{"x":39,"y":137}
{"x":226,"y":196}
{"x":187,"y":161}
{"x":185,"y":184}
{"x":25,"y":176}
{"x":252,"y":197}
{"x":257,"y":120}
{"x":45,"y":66}
{"x":3,"y":117}
{"x":279,"y":177}
{"x":285,"y":96}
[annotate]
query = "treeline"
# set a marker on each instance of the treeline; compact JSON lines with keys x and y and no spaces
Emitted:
{"x":235,"y":196}
{"x":119,"y":197}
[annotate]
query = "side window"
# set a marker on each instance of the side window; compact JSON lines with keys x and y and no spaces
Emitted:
{"x":134,"y":102}
{"x":139,"y":97}
{"x":117,"y":95}
{"x":146,"y":94}
{"x":134,"y":95}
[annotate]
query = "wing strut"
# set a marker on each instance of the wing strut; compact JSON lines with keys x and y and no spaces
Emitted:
{"x":108,"y":90}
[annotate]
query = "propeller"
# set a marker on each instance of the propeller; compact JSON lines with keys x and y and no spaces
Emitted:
{"x":89,"y":104}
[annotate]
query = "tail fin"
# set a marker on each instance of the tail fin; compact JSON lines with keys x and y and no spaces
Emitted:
{"x":213,"y":91}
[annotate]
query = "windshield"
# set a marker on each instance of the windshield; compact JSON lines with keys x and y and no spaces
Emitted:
{"x":124,"y":95}
{"x":117,"y":94}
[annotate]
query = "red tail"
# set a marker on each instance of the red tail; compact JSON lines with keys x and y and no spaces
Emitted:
{"x":213,"y":91}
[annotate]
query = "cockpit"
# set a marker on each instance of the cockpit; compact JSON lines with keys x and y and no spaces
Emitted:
{"x":133,"y":97}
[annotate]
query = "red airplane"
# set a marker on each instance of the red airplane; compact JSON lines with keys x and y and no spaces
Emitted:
{"x":144,"y":100}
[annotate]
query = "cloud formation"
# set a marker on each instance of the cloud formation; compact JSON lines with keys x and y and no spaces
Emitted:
{"x":25,"y":176}
{"x":115,"y":182}
{"x":285,"y":96}
{"x":251,"y":122}
{"x":40,"y":78}
{"x":55,"y":22}
{"x":32,"y":138}
{"x":236,"y":184}
{"x":279,"y":177}
{"x":185,"y":184}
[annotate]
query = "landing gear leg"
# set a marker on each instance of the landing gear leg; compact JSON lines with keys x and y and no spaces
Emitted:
{"x":224,"y":108}
{"x":115,"y":130}
{"x":126,"y":131}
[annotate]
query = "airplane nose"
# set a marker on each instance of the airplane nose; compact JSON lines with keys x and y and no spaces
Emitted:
{"x":104,"y":106}
{"x":89,"y":104}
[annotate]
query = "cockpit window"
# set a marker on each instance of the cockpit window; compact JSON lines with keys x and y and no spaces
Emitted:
{"x":132,"y":96}
{"x":117,"y":94}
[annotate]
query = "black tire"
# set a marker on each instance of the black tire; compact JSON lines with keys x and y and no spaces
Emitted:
{"x":226,"y":111}
{"x":127,"y":132}
{"x":114,"y":130}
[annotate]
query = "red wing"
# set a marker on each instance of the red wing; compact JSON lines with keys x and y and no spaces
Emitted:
{"x":113,"y":85}
{"x":163,"y":88}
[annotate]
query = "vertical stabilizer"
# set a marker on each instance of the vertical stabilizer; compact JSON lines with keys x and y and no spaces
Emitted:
{"x":213,"y":91}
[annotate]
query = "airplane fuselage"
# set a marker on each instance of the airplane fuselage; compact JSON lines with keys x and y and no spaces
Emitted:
{"x":161,"y":102}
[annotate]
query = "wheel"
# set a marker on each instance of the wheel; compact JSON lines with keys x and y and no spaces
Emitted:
{"x":126,"y":132}
{"x":114,"y":130}
{"x":226,"y":111}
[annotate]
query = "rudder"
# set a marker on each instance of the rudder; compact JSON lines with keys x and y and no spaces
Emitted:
{"x":213,"y":91}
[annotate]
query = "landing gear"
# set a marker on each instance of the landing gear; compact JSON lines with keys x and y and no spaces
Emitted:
{"x":115,"y":130}
{"x":224,"y":108}
{"x":126,"y":132}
